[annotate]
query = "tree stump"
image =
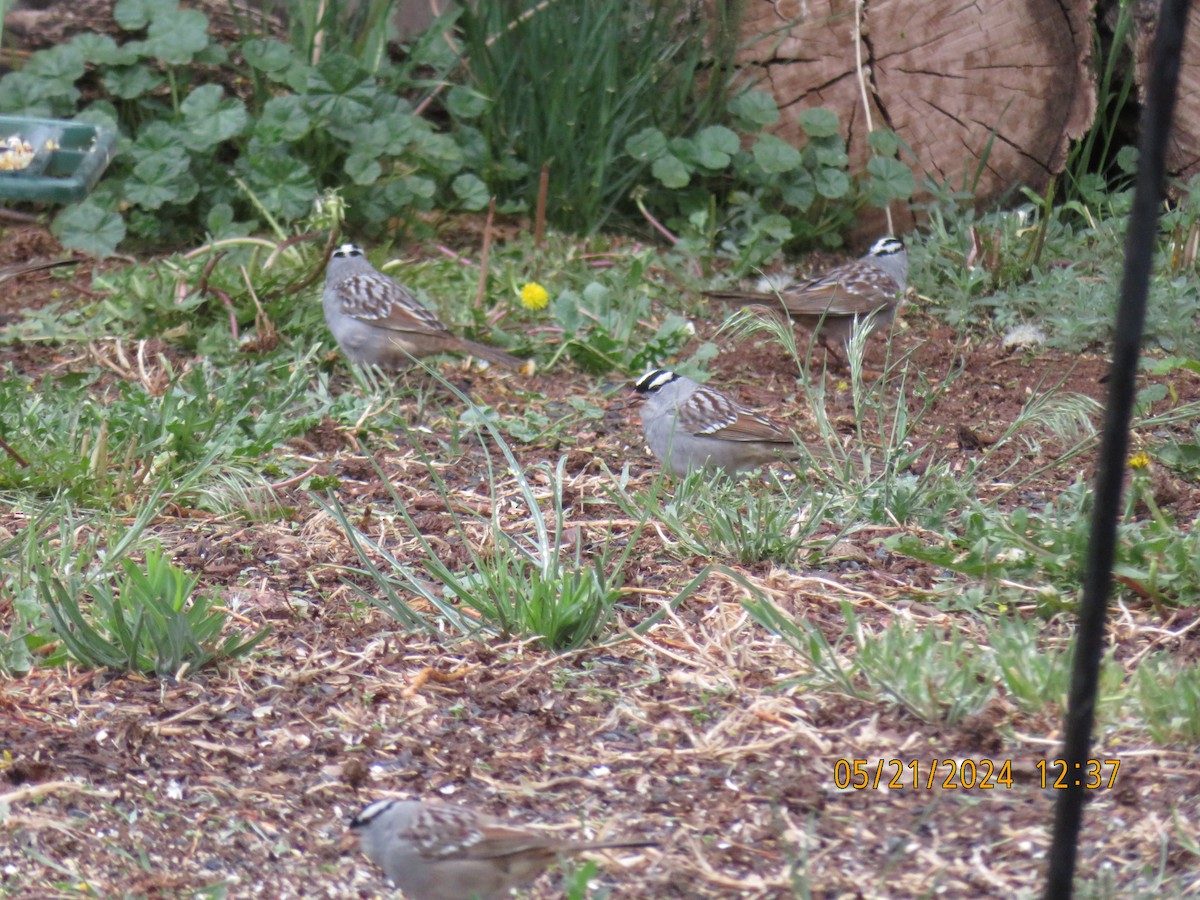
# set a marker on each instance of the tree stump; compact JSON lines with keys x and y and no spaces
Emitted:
{"x":988,"y":94}
{"x":1183,"y":147}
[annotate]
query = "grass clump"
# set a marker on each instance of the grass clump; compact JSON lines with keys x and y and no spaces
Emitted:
{"x":102,"y":443}
{"x":532,"y":580}
{"x":709,"y":514}
{"x":152,"y":621}
{"x":1037,"y":556}
{"x":1168,"y":693}
{"x":563,"y":86}
{"x":1056,"y":268}
{"x":539,"y":584}
{"x":926,"y":671}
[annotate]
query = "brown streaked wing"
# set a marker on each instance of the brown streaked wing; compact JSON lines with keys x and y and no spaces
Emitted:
{"x":710,"y":414}
{"x":443,"y":830}
{"x":380,"y":301}
{"x":502,"y":842}
{"x":842,"y":294}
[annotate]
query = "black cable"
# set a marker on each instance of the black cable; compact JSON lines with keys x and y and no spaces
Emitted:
{"x":1131,"y":314}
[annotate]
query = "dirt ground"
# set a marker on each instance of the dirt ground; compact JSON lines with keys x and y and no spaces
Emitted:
{"x":239,"y":781}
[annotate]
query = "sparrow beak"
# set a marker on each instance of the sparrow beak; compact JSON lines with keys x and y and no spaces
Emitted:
{"x":633,"y":401}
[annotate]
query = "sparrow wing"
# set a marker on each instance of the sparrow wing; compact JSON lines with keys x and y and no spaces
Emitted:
{"x":707,"y":413}
{"x":378,"y":300}
{"x":848,"y":291}
{"x":443,"y":831}
{"x":852,"y":290}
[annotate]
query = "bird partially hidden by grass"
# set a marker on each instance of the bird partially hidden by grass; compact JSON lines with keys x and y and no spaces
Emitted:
{"x":830,"y":304}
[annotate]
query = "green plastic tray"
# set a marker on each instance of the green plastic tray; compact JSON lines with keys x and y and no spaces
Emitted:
{"x":62,"y":175}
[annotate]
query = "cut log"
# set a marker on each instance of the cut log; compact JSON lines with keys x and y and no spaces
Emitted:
{"x":1183,"y":147}
{"x":987,"y":94}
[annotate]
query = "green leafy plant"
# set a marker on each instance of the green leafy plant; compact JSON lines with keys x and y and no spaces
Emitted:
{"x":563,"y":85}
{"x":202,"y":149}
{"x":529,"y":586}
{"x":770,"y":195}
{"x":930,"y":673}
{"x":1183,"y":455}
{"x":360,"y":30}
{"x":602,"y":330}
{"x":37,"y":558}
{"x":154,"y":621}
{"x":229,"y":297}
{"x":532,"y":426}
{"x":1039,"y":554}
{"x":531,"y":583}
{"x":534,"y":580}
{"x":866,"y":480}
{"x":743,"y":521}
{"x":1056,"y":268}
{"x":28,"y":629}
{"x":577,"y":878}
{"x":1089,"y":169}
{"x":98,"y":445}
{"x":1168,"y":692}
{"x":608,"y":322}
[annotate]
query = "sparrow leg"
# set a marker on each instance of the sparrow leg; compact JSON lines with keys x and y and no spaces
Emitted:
{"x":839,"y":361}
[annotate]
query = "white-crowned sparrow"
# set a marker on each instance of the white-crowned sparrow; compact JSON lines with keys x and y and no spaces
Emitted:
{"x":688,"y":426}
{"x":438,"y":851}
{"x":376,"y":320}
{"x":873,"y":283}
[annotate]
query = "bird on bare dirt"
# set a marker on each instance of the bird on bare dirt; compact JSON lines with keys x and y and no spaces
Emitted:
{"x":689,"y":426}
{"x":439,"y":851}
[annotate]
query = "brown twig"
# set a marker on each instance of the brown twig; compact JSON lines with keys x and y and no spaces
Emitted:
{"x":317,"y":272}
{"x":17,"y":458}
{"x":483,"y":256}
{"x":202,"y":286}
{"x":13,"y":216}
{"x":429,"y":673}
{"x":233,"y":323}
{"x":539,"y":221}
{"x":654,"y":223}
{"x":293,"y":241}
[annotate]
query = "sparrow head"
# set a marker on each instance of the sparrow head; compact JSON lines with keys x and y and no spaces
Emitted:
{"x":654,"y":381}
{"x":885,"y":247}
{"x":348,"y":251}
{"x":375,"y":810}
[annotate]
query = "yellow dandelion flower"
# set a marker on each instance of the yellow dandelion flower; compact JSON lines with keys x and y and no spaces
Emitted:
{"x":534,"y":296}
{"x":1139,"y":461}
